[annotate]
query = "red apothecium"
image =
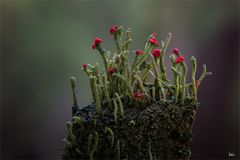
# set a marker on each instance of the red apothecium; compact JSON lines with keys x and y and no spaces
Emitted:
{"x":112,"y":70}
{"x":85,"y":66}
{"x":153,"y":41}
{"x":113,"y":29}
{"x":138,"y":95}
{"x":139,"y":52}
{"x":176,"y":51}
{"x":156,"y":53}
{"x":98,"y":41}
{"x":180,"y":59}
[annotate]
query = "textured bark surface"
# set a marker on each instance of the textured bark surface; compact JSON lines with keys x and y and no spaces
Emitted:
{"x":157,"y":131}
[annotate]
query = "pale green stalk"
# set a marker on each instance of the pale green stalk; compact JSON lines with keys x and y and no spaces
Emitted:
{"x":128,"y":39}
{"x":146,"y":73}
{"x":96,"y":94}
{"x":117,"y":43}
{"x":115,"y":112}
{"x":111,"y":134}
{"x":150,"y":151}
{"x":162,"y":93}
{"x":78,"y":120}
{"x":194,"y":69}
{"x":184,"y":76}
{"x":95,"y":145}
{"x":176,"y":80}
{"x":204,"y":73}
{"x":105,"y":90}
{"x":118,"y":150}
{"x":153,"y":94}
{"x":142,"y":88}
{"x":125,"y":82}
{"x":70,"y":133}
{"x":120,"y":104}
{"x":95,"y":71}
{"x":143,"y":57}
{"x":74,"y":93}
{"x":162,"y":58}
{"x":102,"y":53}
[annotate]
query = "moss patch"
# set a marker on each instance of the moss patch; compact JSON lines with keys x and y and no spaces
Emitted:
{"x":157,"y":131}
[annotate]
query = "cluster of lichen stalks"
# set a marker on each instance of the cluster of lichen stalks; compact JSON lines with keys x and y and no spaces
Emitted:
{"x":122,"y":85}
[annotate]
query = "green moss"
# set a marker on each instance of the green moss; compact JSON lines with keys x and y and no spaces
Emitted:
{"x":167,"y":127}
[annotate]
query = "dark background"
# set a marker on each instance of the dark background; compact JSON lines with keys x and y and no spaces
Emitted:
{"x":43,"y":43}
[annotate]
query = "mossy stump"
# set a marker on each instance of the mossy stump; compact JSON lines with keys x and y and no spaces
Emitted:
{"x":137,"y":113}
{"x":158,"y":131}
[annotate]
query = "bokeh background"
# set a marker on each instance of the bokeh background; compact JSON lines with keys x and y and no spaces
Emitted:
{"x":43,"y":43}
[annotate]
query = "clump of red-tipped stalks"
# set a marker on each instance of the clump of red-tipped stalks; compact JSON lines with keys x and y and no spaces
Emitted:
{"x":133,"y":117}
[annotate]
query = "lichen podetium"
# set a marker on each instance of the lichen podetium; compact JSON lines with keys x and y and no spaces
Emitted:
{"x":137,"y":111}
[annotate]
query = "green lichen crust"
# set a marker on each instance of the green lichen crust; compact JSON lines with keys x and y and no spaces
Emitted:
{"x":157,"y":131}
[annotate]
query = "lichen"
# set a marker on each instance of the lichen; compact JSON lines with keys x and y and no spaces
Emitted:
{"x":131,"y":117}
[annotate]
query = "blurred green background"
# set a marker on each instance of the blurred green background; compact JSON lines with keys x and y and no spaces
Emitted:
{"x":43,"y":43}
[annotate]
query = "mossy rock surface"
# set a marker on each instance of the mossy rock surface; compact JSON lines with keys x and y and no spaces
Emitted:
{"x":133,"y":117}
{"x":157,"y":131}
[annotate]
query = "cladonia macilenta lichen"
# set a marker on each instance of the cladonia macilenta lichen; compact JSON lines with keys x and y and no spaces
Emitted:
{"x":138,"y":112}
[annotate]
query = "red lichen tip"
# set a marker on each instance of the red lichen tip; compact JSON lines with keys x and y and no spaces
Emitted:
{"x":138,"y":95}
{"x":139,"y":52}
{"x":197,"y":83}
{"x":156,"y":53}
{"x":176,"y":51}
{"x":94,"y":46}
{"x":98,"y":41}
{"x":114,"y":29}
{"x":153,"y":41}
{"x":180,"y":59}
{"x":85,"y":66}
{"x":112,"y":70}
